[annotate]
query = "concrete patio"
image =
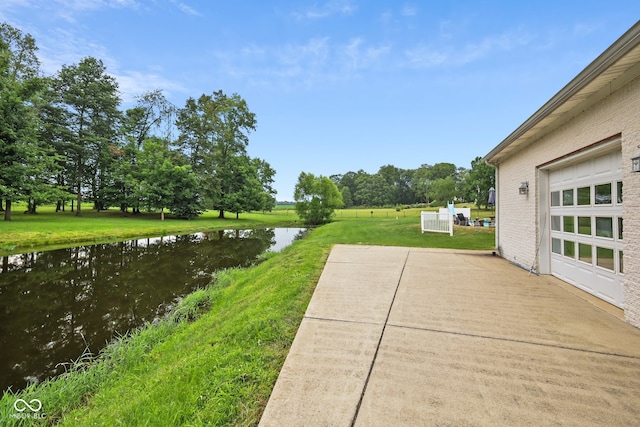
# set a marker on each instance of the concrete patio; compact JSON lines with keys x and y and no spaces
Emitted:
{"x":408,"y":336}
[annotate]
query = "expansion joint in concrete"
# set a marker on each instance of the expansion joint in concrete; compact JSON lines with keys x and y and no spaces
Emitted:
{"x":375,"y":355}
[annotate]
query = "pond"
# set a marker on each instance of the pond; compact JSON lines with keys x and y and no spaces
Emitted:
{"x":55,"y":304}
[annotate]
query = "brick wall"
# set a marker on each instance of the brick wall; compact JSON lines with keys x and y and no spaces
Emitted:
{"x":518,"y":222}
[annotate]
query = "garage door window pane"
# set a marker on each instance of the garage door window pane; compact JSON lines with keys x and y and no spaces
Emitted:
{"x":569,"y":249}
{"x":555,"y":198}
{"x":603,"y":194}
{"x":556,"y":246}
{"x":605,"y":258}
{"x":604,"y":227}
{"x":619,"y":187}
{"x":568,"y":224}
{"x":584,"y":196}
{"x":620,"y":228}
{"x":555,"y":223}
{"x":567,"y":197}
{"x":584,"y":225}
{"x":584,"y":253}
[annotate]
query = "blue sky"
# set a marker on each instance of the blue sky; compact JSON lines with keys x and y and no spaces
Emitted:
{"x":340,"y":85}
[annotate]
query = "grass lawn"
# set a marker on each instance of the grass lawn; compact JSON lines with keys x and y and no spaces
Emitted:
{"x":215,"y":361}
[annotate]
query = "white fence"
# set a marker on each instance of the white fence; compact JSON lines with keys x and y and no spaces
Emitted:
{"x":437,"y":222}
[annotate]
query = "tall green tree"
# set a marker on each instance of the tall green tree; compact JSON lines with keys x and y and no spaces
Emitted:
{"x":153,"y":116}
{"x":26,"y":162}
{"x":399,"y":181}
{"x":89,"y":99}
{"x":251,"y":186}
{"x":214,"y":133}
{"x":478,"y":181}
{"x":244,"y":191}
{"x":421,"y":184}
{"x":443,"y":190}
{"x":347,"y":180}
{"x":373,"y":190}
{"x":346,"y":197}
{"x":316,"y":198}
{"x":54,"y":132}
{"x":443,"y":170}
{"x":266,"y":177}
{"x":166,"y":182}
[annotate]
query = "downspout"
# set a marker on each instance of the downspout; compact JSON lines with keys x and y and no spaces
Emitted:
{"x":497,"y":207}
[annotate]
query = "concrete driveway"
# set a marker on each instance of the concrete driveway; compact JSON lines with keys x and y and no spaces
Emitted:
{"x":407,"y":336}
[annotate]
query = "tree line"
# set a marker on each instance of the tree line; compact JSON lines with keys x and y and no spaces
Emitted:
{"x":64,"y":139}
{"x":317,"y":197}
{"x":435,"y":185}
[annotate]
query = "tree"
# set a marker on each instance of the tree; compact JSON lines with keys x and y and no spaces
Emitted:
{"x":26,"y":162}
{"x":152,"y":117}
{"x":316,"y":198}
{"x":399,"y":181}
{"x":443,"y":170}
{"x":421,"y":184}
{"x":479,"y":179}
{"x":89,"y":98}
{"x":372,"y":190}
{"x":266,"y":177}
{"x":346,"y":197}
{"x":54,"y":132}
{"x":165,"y":183}
{"x":347,"y":180}
{"x":214,"y":131}
{"x":443,"y":190}
{"x":251,"y":186}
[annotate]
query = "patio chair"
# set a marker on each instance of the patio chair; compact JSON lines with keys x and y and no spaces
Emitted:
{"x":462,"y":220}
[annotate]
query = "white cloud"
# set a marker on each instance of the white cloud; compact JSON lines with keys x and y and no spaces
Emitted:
{"x":65,"y":47}
{"x":60,"y":47}
{"x":74,"y":6}
{"x":327,"y":9}
{"x":311,"y":64}
{"x":135,"y":83}
{"x":68,"y":10}
{"x":425,"y":57}
{"x":428,"y":55}
{"x":409,"y":10}
{"x":361,"y":57}
{"x":185,"y":8}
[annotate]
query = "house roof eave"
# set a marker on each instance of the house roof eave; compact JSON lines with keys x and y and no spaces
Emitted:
{"x":582,"y":89}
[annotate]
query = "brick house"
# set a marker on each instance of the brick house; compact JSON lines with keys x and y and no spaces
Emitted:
{"x":568,"y":187}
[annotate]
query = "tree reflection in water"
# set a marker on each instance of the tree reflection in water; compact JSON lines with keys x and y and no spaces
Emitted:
{"x":55,"y":304}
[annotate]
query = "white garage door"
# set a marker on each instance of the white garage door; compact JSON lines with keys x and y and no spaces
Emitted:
{"x":586,"y":226}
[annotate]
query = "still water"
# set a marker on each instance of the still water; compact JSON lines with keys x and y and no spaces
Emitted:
{"x":55,"y":304}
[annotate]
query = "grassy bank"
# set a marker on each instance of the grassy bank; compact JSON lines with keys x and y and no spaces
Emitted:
{"x":216,"y":360}
{"x":216,"y":370}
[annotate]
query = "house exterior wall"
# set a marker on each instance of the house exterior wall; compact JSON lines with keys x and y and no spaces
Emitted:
{"x":519,"y":218}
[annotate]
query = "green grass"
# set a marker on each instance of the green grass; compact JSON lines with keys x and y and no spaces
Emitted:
{"x":402,"y":229}
{"x":50,"y":229}
{"x":216,"y":358}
